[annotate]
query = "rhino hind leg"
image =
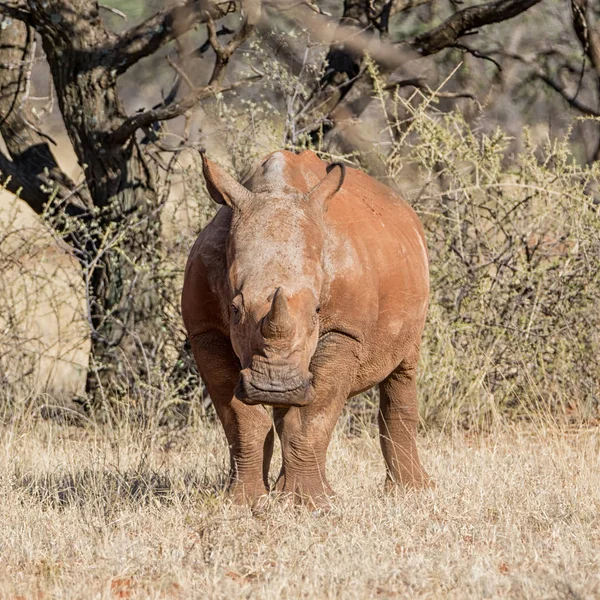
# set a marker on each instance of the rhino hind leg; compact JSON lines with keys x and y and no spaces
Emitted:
{"x":398,"y":418}
{"x":248,"y":429}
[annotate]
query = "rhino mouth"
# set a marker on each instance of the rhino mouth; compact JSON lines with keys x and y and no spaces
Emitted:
{"x":278,"y":388}
{"x":254,"y":389}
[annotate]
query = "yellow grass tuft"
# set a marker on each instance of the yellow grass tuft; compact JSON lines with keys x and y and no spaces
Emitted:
{"x":130,"y":514}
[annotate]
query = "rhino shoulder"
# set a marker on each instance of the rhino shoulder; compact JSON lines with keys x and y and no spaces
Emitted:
{"x":206,"y":271}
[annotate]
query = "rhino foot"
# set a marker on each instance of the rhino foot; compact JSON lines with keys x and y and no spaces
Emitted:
{"x":248,"y":494}
{"x":314,"y":492}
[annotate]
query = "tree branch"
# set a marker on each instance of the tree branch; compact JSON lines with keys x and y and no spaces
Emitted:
{"x":33,"y":169}
{"x":166,"y":113}
{"x":467,"y":19}
{"x":114,"y":11}
{"x":15,"y":10}
{"x":160,"y":29}
{"x":571,"y":100}
{"x":420,"y":85}
{"x":252,"y":10}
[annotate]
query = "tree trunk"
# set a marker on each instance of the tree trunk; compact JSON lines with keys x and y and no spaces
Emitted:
{"x":122,"y":253}
{"x":113,"y":222}
{"x":117,"y":239}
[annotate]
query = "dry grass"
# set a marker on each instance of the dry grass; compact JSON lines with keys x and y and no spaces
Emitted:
{"x":128,"y":514}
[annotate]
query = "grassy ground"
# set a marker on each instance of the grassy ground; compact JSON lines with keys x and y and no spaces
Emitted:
{"x":125,"y":514}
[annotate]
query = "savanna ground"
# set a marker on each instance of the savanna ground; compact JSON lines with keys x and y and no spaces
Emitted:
{"x":126,"y":513}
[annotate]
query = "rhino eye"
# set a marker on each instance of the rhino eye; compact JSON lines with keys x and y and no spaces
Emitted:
{"x":236,"y":313}
{"x":315,"y":317}
{"x":236,"y":310}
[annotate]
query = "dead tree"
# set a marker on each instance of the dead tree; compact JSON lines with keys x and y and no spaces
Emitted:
{"x":112,"y":221}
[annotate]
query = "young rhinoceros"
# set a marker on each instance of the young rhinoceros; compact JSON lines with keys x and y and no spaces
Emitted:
{"x":309,"y":286}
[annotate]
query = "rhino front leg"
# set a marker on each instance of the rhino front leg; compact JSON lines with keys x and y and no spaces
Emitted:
{"x":398,"y":418}
{"x":248,"y":429}
{"x":305,"y":432}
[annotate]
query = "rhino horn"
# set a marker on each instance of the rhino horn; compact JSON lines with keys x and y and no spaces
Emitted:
{"x":222,"y":187}
{"x":278,"y":323}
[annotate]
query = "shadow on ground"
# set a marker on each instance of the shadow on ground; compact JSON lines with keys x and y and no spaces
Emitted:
{"x":109,"y":487}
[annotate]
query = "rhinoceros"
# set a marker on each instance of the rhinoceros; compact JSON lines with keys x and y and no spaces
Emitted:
{"x":309,"y":286}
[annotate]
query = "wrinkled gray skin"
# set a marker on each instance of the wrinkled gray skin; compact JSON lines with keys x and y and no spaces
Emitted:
{"x":307,"y":287}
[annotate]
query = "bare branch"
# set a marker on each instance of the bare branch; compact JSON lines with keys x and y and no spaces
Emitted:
{"x":115,"y":11}
{"x":15,"y":10}
{"x":128,"y":128}
{"x":181,"y":74}
{"x":468,"y":19}
{"x":147,"y":118}
{"x":420,"y":85}
{"x":160,"y":29}
{"x":206,"y":45}
{"x":570,"y":98}
{"x":478,"y":54}
{"x":588,"y":36}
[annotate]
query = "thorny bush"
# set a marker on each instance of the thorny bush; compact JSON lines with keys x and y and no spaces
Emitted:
{"x":514,"y":242}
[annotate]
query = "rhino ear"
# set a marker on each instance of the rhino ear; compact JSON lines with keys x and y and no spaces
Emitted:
{"x":222,"y":187}
{"x":329,"y":185}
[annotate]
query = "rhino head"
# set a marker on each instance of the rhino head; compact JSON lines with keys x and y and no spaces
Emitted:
{"x":274,"y":267}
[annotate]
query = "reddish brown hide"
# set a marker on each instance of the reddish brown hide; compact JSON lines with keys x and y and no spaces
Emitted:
{"x":309,"y":286}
